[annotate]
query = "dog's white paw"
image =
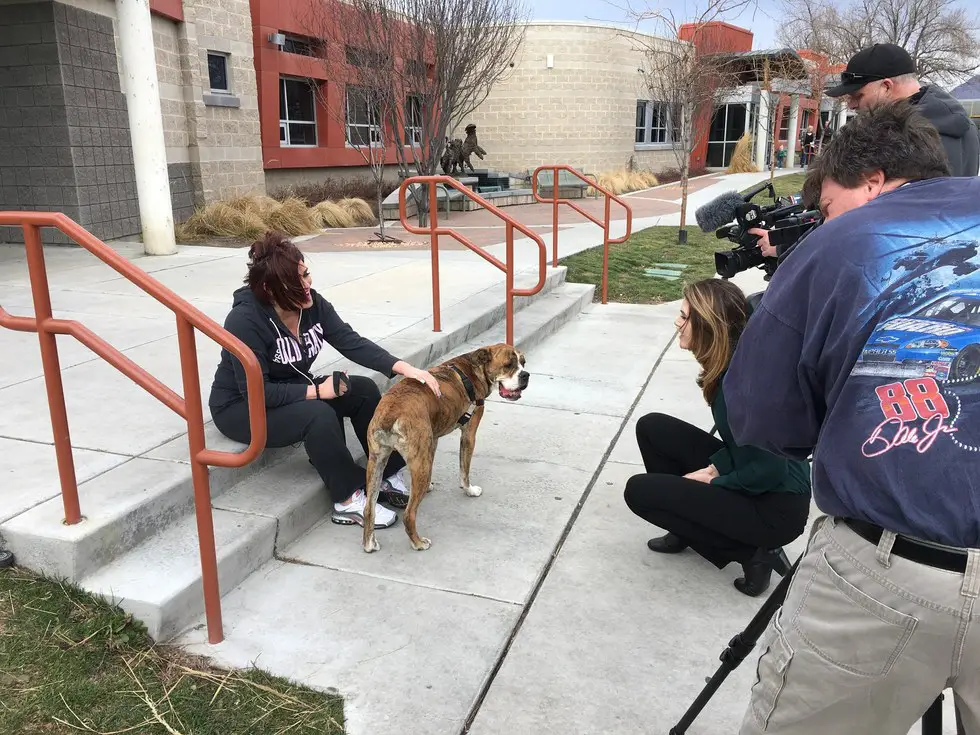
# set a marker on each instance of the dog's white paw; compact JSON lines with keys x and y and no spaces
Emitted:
{"x":474,"y":491}
{"x":422,"y":545}
{"x":372,"y":545}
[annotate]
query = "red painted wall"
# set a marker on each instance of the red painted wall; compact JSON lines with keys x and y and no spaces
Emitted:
{"x":173,"y":9}
{"x":288,"y":16}
{"x":711,"y":38}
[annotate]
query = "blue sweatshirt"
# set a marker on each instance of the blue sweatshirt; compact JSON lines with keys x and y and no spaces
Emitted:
{"x":866,"y":347}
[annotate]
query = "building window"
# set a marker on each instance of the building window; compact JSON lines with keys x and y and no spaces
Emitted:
{"x":784,"y":123}
{"x":218,"y":72}
{"x":413,"y":120}
{"x":297,"y":112}
{"x":363,"y":117}
{"x":653,"y":123}
{"x":301,"y":45}
{"x":728,"y":124}
{"x":363,"y":57}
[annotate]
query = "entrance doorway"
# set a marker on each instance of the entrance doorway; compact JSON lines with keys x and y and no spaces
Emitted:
{"x":728,"y":124}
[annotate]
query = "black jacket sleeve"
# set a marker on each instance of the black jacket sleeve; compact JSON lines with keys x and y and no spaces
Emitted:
{"x":276,"y":394}
{"x":341,"y":336}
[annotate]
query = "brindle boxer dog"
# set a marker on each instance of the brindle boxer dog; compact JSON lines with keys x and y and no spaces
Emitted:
{"x":410,"y":420}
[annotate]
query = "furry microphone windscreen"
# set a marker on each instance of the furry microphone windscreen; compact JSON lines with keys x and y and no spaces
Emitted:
{"x":719,"y":211}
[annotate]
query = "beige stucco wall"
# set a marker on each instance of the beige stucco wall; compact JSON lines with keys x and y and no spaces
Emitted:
{"x":580,"y":112}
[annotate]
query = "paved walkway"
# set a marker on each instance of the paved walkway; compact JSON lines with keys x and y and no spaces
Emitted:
{"x":538,"y":608}
{"x":484,"y":228}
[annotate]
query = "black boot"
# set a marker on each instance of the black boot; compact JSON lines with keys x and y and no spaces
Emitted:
{"x":669,"y":544}
{"x":758,"y":571}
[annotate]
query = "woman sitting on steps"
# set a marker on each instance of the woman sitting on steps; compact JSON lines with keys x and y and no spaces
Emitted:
{"x":286,"y":323}
{"x":729,"y":503}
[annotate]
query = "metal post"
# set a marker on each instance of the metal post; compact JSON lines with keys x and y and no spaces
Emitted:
{"x":434,"y":247}
{"x":605,"y":254}
{"x":202,"y":483}
{"x":510,"y":282}
{"x":554,"y":231}
{"x":52,"y":374}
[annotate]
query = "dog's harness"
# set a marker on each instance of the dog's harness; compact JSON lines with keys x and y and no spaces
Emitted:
{"x":471,"y":394}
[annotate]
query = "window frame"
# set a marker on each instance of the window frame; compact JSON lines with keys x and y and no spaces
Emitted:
{"x":226,"y":59}
{"x":413,"y":133}
{"x":658,"y":127}
{"x":284,"y":123}
{"x":374,"y":128}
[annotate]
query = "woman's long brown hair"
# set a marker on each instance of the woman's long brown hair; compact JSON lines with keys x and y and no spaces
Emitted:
{"x":717,"y":315}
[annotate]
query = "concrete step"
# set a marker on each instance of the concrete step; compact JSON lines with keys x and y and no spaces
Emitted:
{"x":135,"y":500}
{"x":159,"y":581}
{"x":270,"y":509}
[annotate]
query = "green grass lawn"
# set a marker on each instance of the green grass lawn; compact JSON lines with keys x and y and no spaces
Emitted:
{"x":71,"y":663}
{"x":628,"y":282}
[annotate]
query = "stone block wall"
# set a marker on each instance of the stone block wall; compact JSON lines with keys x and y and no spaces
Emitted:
{"x":64,"y":129}
{"x":581,"y":112}
{"x":64,"y":132}
{"x":223,"y":129}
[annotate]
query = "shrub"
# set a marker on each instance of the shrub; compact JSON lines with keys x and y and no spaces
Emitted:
{"x":621,"y":182}
{"x":221,"y":220}
{"x":335,"y":190}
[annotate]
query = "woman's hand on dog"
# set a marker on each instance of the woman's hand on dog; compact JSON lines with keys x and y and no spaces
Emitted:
{"x":423,"y":376}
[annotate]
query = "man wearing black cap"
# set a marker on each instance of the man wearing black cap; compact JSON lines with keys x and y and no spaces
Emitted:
{"x":886,"y":73}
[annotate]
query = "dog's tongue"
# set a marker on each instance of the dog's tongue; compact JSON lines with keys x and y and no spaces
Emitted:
{"x":510,"y":395}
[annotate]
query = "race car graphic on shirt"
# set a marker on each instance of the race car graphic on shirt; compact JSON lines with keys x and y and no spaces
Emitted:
{"x":940,"y":340}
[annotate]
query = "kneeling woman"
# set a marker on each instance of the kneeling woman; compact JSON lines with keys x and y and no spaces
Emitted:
{"x":728,"y":503}
{"x":286,"y":323}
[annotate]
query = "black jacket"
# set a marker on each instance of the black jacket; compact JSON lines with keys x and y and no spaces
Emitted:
{"x":960,"y":136}
{"x":285,"y":360}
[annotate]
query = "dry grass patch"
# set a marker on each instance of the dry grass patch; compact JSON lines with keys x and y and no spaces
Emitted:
{"x":247,"y":218}
{"x":625,"y":181}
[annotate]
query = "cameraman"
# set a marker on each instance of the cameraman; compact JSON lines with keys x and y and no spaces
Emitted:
{"x":883,"y":612}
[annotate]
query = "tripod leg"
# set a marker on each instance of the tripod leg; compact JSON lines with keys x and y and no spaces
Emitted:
{"x":739,"y":647}
{"x":932,"y":720}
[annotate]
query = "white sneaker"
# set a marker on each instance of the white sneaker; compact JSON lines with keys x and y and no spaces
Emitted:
{"x":394,"y":489}
{"x":353,"y":512}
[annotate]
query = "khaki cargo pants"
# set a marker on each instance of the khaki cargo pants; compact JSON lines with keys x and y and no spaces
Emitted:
{"x":866,"y":641}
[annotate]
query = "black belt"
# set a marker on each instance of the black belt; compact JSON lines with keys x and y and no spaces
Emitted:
{"x":907,"y":548}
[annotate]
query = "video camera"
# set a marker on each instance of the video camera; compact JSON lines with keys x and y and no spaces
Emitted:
{"x":786,"y":220}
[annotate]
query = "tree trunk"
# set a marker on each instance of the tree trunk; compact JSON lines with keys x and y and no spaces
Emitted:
{"x":685,"y":172}
{"x":381,"y":213}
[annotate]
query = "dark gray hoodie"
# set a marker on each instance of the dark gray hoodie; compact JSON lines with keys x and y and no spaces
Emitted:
{"x":960,"y":136}
{"x":285,"y":360}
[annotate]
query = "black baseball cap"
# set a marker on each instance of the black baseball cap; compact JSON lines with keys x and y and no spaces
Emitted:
{"x":881,"y":61}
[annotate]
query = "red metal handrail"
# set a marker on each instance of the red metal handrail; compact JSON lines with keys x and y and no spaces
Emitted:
{"x":189,"y":407}
{"x":434,"y":231}
{"x":604,"y":224}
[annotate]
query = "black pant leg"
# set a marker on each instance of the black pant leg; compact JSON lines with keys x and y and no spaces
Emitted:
{"x":359,"y":404}
{"x":721,"y":525}
{"x":674,"y":447}
{"x":316,"y":424}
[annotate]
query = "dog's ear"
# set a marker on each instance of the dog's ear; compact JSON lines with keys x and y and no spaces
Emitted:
{"x":482,"y":356}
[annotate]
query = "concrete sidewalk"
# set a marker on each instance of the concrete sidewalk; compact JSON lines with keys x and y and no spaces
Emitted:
{"x":617,"y":640}
{"x":385,"y":295}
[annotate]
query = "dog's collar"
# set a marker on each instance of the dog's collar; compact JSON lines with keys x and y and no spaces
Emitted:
{"x":470,"y":393}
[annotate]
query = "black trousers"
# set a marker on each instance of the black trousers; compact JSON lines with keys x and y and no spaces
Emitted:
{"x":320,"y":426}
{"x":721,"y":525}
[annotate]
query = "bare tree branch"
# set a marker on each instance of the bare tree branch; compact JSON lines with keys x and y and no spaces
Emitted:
{"x":941,"y":36}
{"x":685,"y":77}
{"x":441,"y":59}
{"x":365,"y":102}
